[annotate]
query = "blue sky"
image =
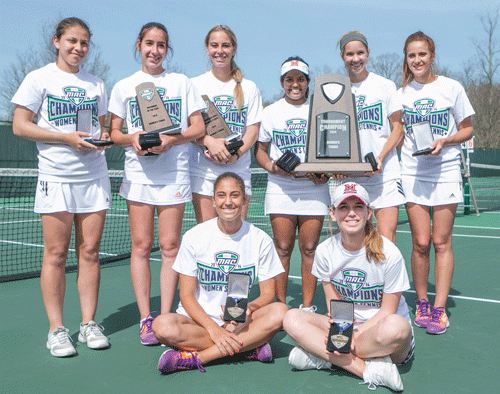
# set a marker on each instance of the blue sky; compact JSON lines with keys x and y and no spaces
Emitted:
{"x":268,"y":31}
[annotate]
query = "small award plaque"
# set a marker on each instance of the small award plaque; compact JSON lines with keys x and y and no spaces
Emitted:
{"x":154,"y":115}
{"x":340,"y":334}
{"x":84,"y":123}
{"x":332,"y":138}
{"x":238,"y":286}
{"x":216,"y":126}
{"x":214,"y":122}
{"x":423,"y":138}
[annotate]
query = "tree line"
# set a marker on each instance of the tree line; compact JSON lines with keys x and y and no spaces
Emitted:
{"x":480,"y":76}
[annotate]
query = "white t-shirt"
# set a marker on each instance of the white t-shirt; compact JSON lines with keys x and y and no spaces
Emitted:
{"x":181,"y":100}
{"x":445,"y":105}
{"x":284,"y":126}
{"x":222,"y":95}
{"x":55,"y":96}
{"x":376,"y":101}
{"x":361,"y":281}
{"x":210,"y":255}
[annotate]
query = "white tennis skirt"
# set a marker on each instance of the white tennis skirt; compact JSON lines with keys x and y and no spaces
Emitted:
{"x":432,"y":193}
{"x":73,"y":197}
{"x":155,"y":194}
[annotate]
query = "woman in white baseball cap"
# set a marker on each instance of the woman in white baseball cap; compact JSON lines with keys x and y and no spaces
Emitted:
{"x":359,"y":265}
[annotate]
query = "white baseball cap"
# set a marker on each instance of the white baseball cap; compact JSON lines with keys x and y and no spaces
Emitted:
{"x":347,"y":190}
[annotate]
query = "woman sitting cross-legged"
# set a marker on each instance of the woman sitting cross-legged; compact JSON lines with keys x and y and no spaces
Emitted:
{"x":360,"y":265}
{"x":208,"y":253}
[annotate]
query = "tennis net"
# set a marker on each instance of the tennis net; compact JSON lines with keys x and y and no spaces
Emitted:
{"x":485,"y":182}
{"x":21,"y":239}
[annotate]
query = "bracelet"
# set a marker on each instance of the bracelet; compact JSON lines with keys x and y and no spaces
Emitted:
{"x":272,"y":166}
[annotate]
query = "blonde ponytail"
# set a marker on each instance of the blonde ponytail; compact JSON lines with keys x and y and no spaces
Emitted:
{"x":373,"y":243}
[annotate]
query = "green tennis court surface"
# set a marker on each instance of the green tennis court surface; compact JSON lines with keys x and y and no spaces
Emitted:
{"x":463,"y":360}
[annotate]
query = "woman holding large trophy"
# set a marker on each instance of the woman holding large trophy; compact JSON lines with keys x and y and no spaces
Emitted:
{"x":294,"y":204}
{"x":155,"y":179}
{"x":380,"y":130}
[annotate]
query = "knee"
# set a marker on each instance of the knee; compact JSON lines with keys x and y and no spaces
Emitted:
{"x":55,"y":257}
{"x":88,"y":252}
{"x":291,"y":321}
{"x":308,"y":250}
{"x":277,"y":312}
{"x":169,"y":248}
{"x":284,"y":249}
{"x":166,"y":328}
{"x":441,"y":244}
{"x":422,"y":245}
{"x":142,"y":247}
{"x":393,"y":329}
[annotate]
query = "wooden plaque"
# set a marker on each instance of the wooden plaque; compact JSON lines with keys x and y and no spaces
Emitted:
{"x":215,"y":124}
{"x":152,"y":110}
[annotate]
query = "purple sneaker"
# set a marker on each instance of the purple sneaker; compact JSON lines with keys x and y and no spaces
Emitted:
{"x":262,"y":354}
{"x":172,"y":360}
{"x":146,"y":332}
{"x":438,"y":323}
{"x":423,"y":313}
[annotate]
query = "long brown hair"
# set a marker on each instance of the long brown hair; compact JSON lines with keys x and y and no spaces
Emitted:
{"x":373,"y":243}
{"x":236,"y":73}
{"x":418,"y":36}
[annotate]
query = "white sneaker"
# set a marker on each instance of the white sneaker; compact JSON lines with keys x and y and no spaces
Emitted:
{"x":91,"y":334}
{"x":302,"y":359}
{"x":311,"y":308}
{"x":381,"y":371}
{"x":59,"y":343}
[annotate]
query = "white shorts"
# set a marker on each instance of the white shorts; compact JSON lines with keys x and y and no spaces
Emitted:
{"x":432,"y":193}
{"x":155,"y":194}
{"x":298,"y":204}
{"x":73,"y":197}
{"x":387,"y":194}
{"x":205,"y":187}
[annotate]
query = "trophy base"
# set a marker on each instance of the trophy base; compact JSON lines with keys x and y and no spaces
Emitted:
{"x":339,"y":168}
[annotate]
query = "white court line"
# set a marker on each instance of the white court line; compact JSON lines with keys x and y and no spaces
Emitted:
{"x":20,"y":243}
{"x":451,"y":296}
{"x":477,"y":227}
{"x":458,"y":235}
{"x":21,"y":221}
